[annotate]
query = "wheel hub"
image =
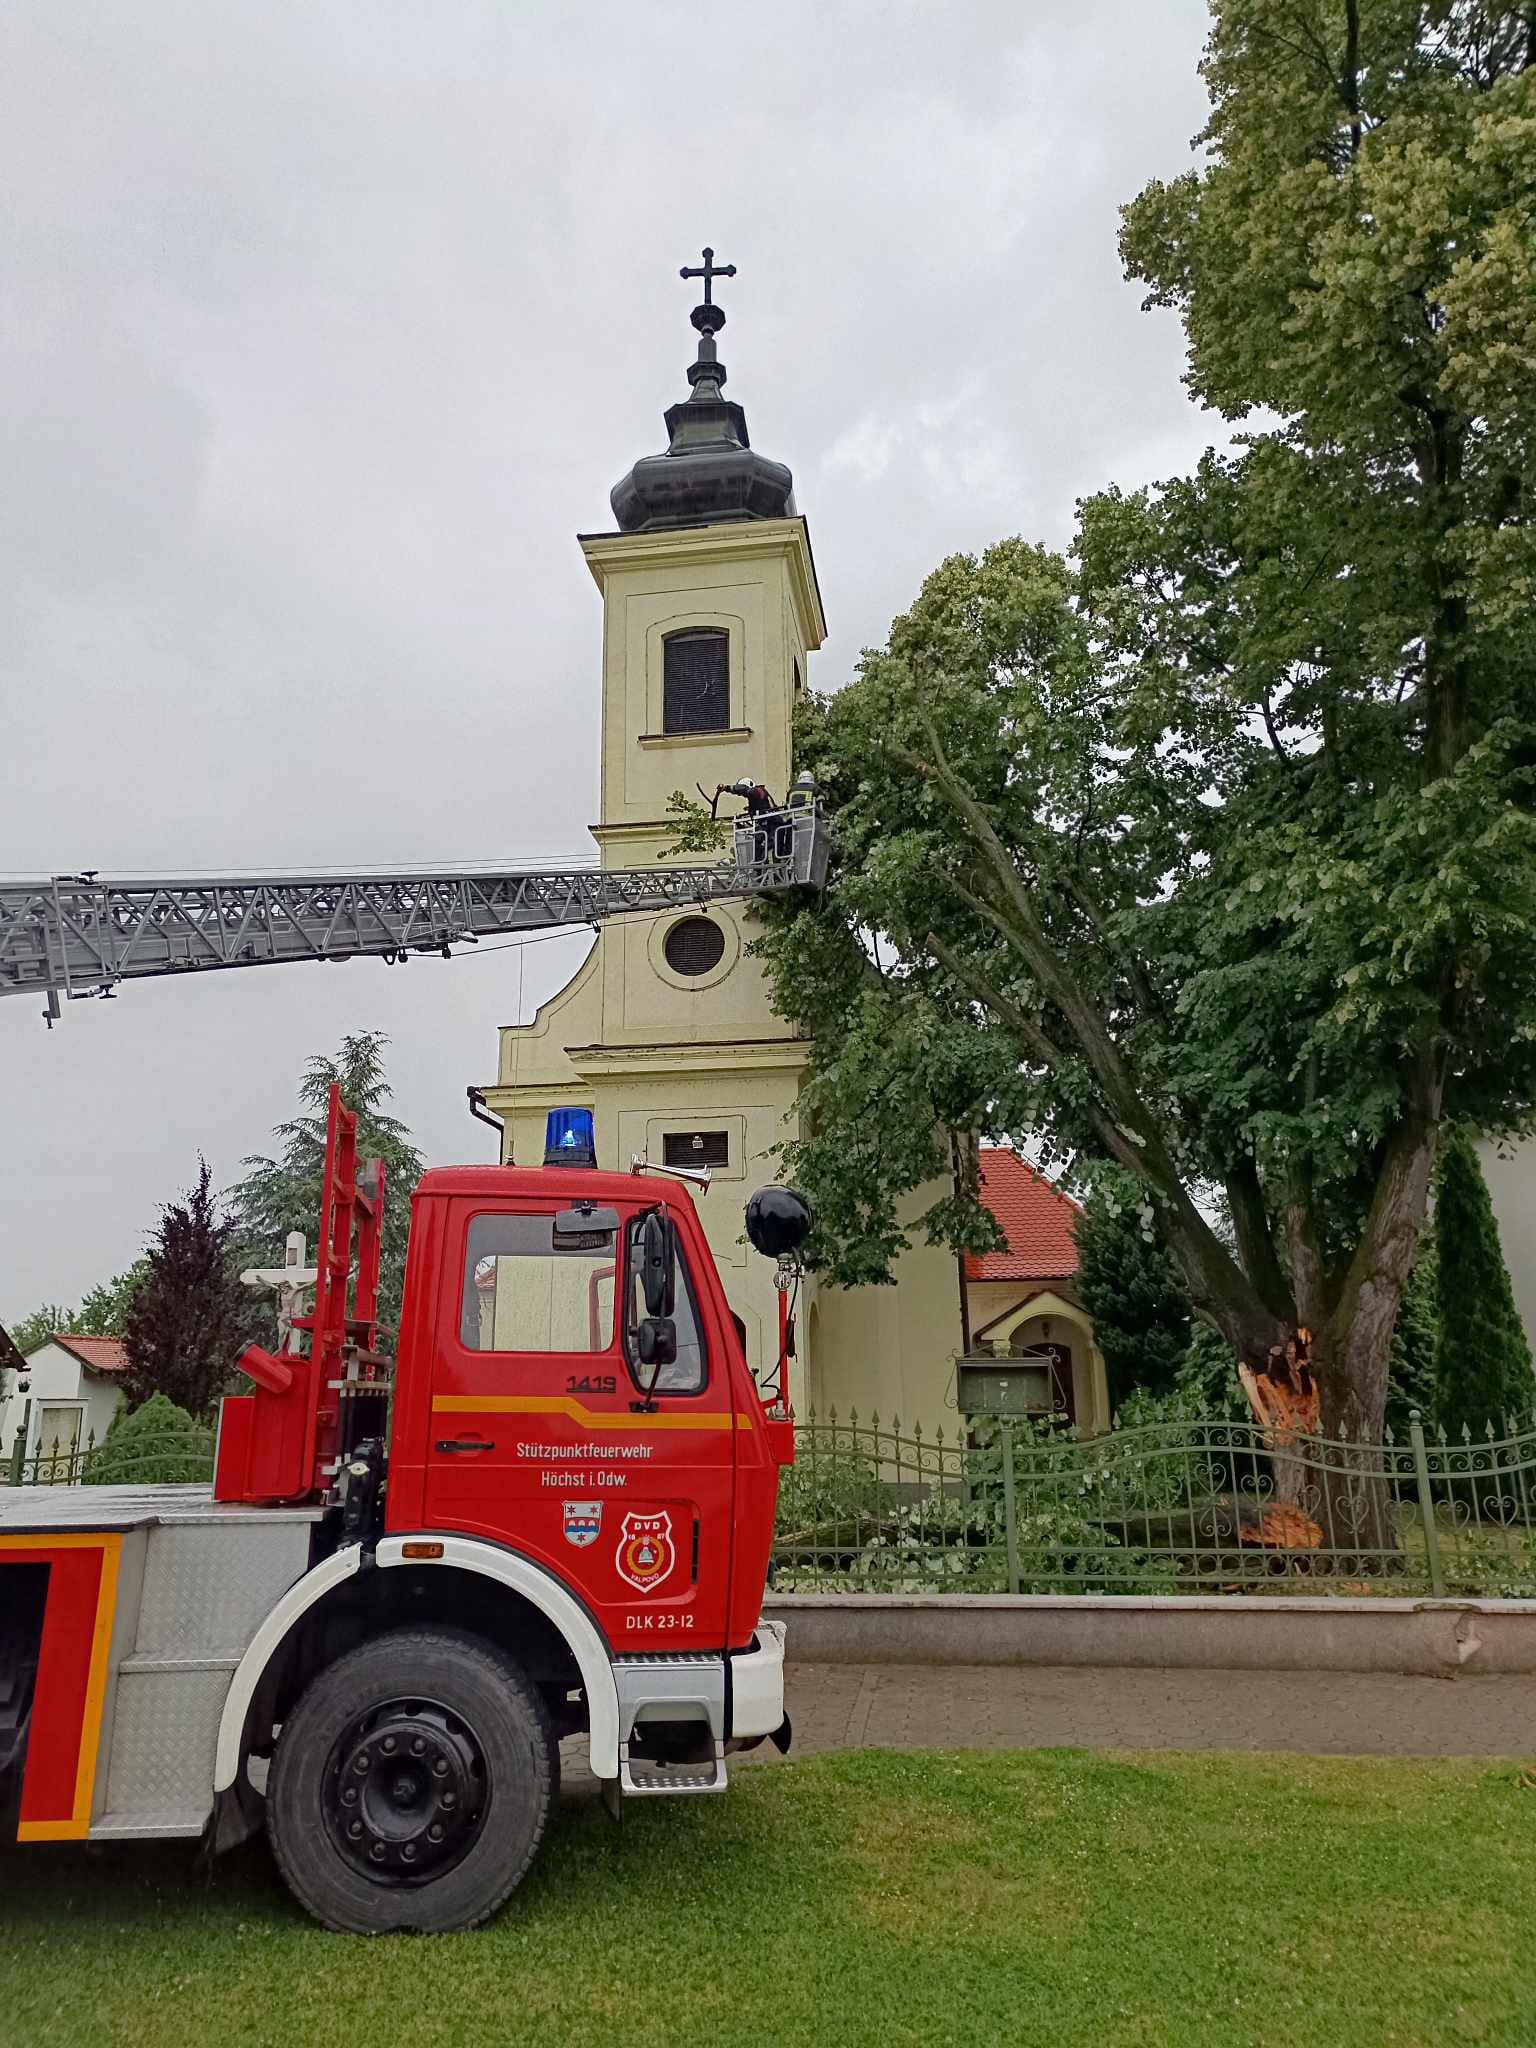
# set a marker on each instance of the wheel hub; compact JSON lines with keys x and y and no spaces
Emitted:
{"x":405,"y":1792}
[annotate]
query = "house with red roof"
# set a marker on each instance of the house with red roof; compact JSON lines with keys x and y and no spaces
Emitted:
{"x":63,"y":1399}
{"x":1004,"y":1331}
{"x":1022,"y":1303}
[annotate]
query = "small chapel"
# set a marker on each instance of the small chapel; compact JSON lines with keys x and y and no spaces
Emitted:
{"x":712,"y":614}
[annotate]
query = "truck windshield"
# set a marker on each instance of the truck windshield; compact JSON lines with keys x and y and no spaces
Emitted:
{"x":525,"y":1290}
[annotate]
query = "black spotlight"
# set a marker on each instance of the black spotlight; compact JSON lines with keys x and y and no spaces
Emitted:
{"x":778,"y":1221}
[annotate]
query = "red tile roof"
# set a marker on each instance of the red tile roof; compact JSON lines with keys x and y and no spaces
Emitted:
{"x":1037,"y":1219}
{"x":98,"y":1354}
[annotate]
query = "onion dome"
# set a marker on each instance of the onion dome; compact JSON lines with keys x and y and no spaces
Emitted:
{"x":709,"y":471}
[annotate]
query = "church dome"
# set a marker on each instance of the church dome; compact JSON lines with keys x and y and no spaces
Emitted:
{"x":709,"y":470}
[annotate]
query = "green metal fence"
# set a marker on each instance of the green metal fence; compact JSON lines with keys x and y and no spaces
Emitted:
{"x":1186,"y":1506}
{"x":182,"y":1455}
{"x":1196,"y":1504}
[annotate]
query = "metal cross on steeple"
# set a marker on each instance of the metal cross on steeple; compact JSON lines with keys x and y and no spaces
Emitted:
{"x":710,"y":271}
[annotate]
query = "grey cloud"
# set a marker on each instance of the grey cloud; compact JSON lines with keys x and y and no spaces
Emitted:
{"x":325,"y":329}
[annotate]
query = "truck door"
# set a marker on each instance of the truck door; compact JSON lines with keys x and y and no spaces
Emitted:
{"x":547,"y":1435}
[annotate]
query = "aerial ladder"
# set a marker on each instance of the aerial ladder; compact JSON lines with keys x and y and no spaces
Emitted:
{"x":79,"y":935}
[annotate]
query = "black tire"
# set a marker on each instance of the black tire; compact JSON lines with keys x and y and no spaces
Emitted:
{"x":424,"y":1732}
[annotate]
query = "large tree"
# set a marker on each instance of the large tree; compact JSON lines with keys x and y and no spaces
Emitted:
{"x":1212,"y":853}
{"x":281,"y":1194}
{"x":189,"y":1318}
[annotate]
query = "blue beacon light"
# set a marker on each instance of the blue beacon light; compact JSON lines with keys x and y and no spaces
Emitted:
{"x":569,"y":1138}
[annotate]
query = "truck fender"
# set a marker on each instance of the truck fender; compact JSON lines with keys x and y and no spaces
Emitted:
{"x":296,"y":1602}
{"x":542,"y":1590}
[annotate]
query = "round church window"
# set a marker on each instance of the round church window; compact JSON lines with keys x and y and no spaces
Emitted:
{"x":694,"y":945}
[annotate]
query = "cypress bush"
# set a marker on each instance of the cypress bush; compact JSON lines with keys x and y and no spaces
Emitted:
{"x":157,"y":1444}
{"x":1482,"y":1358}
{"x":1141,"y":1313}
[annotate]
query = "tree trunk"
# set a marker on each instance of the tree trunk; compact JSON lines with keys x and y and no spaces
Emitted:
{"x":1355,"y":1348}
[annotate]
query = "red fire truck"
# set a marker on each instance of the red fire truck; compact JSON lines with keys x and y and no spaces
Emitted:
{"x":549,"y":1515}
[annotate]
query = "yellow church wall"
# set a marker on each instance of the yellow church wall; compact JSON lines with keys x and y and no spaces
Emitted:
{"x":892,"y":1349}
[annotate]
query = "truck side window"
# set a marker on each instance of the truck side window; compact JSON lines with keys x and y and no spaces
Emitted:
{"x":689,"y":1371}
{"x":526,"y":1291}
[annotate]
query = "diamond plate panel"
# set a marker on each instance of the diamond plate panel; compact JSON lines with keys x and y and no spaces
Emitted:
{"x":208,"y":1588}
{"x":164,"y":1731}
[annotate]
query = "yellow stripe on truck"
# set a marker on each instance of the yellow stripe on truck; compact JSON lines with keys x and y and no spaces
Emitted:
{"x":592,"y":1418}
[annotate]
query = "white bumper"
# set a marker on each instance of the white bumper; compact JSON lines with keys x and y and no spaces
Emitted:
{"x":757,"y":1684}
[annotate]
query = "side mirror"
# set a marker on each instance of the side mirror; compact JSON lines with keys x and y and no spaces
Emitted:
{"x":656,"y":1251}
{"x":656,"y":1342}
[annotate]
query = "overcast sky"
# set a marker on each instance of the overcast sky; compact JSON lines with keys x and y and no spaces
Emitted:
{"x":323,"y":331}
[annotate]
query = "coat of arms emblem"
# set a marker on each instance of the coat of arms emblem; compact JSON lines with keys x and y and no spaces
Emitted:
{"x":583,"y":1520}
{"x":646,"y":1553}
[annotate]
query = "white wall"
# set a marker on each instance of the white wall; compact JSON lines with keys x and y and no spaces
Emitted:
{"x":1512,"y":1184}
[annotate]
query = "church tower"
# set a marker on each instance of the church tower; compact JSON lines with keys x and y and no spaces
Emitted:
{"x":710,"y":613}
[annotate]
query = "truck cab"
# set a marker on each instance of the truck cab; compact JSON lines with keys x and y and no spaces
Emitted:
{"x":540,"y":1402}
{"x":550,"y":1514}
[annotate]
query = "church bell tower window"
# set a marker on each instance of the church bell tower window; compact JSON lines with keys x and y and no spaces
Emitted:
{"x":696,"y":681}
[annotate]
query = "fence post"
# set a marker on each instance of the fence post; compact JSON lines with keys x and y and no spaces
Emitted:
{"x":1010,"y":1508}
{"x":1426,"y":1504}
{"x":19,"y":1448}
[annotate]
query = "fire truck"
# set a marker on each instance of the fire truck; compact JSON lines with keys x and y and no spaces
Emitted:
{"x":548,"y":1514}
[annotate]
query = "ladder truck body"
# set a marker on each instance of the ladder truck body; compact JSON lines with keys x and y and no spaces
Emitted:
{"x":548,"y":1514}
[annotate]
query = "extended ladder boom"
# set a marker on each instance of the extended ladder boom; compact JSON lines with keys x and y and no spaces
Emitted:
{"x":79,"y":935}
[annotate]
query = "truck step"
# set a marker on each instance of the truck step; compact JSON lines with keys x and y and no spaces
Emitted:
{"x":644,"y":1778}
{"x":152,"y":1826}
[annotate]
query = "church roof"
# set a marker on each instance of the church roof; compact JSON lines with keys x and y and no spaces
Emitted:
{"x":709,"y":471}
{"x":1036,"y":1218}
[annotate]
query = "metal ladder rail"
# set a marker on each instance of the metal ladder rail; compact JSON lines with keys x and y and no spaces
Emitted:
{"x":82,"y":934}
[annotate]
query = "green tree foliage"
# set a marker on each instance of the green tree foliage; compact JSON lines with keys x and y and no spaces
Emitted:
{"x":190,"y":1317}
{"x":1483,"y":1361}
{"x":38,"y":1325}
{"x":158,"y":1444}
{"x":1211,"y":853}
{"x":1131,"y":1288}
{"x":283,"y":1193}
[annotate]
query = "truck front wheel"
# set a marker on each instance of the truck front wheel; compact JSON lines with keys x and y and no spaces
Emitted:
{"x":411,"y":1784}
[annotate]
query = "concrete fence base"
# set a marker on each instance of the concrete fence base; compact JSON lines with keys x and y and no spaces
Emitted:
{"x":1432,"y":1638}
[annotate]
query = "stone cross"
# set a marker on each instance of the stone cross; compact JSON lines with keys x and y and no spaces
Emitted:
{"x":291,"y":1281}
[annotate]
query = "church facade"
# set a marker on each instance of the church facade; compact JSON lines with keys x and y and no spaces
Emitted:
{"x":711,"y":615}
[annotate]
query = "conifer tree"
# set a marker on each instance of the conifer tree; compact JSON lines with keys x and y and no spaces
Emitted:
{"x":1415,"y":1343}
{"x":189,"y":1318}
{"x":1141,"y":1313}
{"x":1483,"y":1359}
{"x":283,"y":1194}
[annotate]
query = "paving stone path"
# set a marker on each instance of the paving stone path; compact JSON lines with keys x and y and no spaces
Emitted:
{"x":1325,"y":1713}
{"x":984,"y":1706}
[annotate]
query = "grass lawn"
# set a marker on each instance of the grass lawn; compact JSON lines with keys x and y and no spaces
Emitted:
{"x":1024,"y":1897}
